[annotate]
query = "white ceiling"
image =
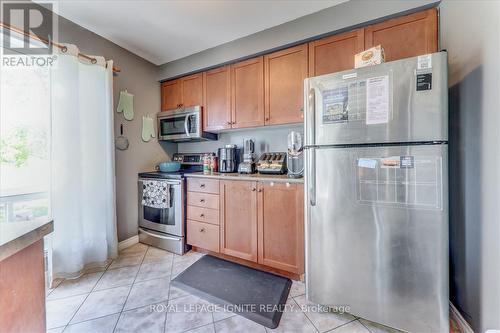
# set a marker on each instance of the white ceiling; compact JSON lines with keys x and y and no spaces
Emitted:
{"x":162,"y":31}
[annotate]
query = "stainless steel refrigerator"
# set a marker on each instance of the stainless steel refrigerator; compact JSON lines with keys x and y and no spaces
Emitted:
{"x":376,"y":182}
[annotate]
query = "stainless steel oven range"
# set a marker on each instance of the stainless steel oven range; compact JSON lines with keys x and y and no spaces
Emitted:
{"x":165,"y":227}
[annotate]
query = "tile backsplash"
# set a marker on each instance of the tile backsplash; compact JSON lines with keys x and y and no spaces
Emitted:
{"x":267,"y":139}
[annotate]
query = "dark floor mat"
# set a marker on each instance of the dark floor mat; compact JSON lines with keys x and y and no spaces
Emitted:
{"x":256,"y":295}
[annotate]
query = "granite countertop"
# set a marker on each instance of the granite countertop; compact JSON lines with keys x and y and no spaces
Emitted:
{"x":15,"y":236}
{"x":250,"y":177}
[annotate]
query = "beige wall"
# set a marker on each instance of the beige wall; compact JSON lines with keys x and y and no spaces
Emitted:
{"x":470,"y":31}
{"x":138,"y":76}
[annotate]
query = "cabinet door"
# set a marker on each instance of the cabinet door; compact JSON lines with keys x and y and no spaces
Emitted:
{"x":192,"y":90}
{"x":247,"y":92}
{"x":281,"y":226}
{"x":284,"y":73}
{"x":335,"y":53}
{"x":170,"y":95}
{"x":217,"y":111}
{"x":238,"y":223}
{"x":406,"y":36}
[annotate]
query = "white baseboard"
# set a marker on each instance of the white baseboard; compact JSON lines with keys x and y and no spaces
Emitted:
{"x":462,"y":324}
{"x":128,"y":242}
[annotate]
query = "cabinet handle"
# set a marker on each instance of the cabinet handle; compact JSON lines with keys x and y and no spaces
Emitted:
{"x":202,"y":185}
{"x":229,"y":123}
{"x":233,"y":123}
{"x":202,"y":230}
{"x":202,"y":200}
{"x":253,"y":190}
{"x":202,"y":215}
{"x":267,"y":119}
{"x":260,"y":190}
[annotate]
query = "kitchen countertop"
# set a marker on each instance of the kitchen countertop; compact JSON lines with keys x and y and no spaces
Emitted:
{"x":250,"y":177}
{"x":15,"y":236}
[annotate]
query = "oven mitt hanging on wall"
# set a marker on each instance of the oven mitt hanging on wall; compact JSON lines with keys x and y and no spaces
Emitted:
{"x":148,"y":128}
{"x":126,"y":105}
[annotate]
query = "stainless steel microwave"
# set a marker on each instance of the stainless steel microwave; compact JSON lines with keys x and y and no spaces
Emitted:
{"x":183,"y":124}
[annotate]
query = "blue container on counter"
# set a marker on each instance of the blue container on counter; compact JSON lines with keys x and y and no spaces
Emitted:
{"x":170,"y":166}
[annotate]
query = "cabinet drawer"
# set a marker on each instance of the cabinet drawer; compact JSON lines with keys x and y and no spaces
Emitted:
{"x":203,"y":235}
{"x":203,"y":214}
{"x":204,"y":200}
{"x":203,"y":185}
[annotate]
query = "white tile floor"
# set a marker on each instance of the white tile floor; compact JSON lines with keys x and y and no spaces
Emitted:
{"x":120,"y":300}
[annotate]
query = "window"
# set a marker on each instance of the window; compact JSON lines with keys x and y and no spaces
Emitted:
{"x":24,"y":142}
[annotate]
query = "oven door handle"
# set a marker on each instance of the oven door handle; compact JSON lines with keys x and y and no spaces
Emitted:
{"x":158,"y":235}
{"x":186,"y":120}
{"x":171,"y":183}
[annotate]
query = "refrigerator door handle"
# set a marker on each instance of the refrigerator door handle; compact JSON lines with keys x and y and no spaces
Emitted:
{"x":309,"y":124}
{"x":312,"y":176}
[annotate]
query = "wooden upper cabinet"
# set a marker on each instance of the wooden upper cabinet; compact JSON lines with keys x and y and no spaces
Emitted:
{"x":171,"y":96}
{"x":217,"y":104}
{"x":247,"y":93}
{"x":406,"y":36}
{"x":238,"y":219}
{"x":284,"y":73}
{"x":192,"y":90}
{"x":281,"y":226}
{"x":335,"y":53}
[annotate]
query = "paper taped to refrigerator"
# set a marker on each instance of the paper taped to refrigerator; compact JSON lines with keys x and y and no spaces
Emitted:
{"x":377,"y":100}
{"x":335,"y":105}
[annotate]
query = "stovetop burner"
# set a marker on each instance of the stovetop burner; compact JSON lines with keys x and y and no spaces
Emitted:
{"x":192,"y":162}
{"x":168,"y":175}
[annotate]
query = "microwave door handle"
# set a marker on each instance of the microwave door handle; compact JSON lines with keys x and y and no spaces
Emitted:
{"x":186,"y":120}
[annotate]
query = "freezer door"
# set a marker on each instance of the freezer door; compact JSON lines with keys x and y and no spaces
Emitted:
{"x":399,"y":101}
{"x":377,"y":233}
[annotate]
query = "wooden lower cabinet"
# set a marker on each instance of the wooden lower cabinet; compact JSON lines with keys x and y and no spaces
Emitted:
{"x":281,"y":226}
{"x":238,"y":219}
{"x":203,"y":235}
{"x":258,"y":224}
{"x":22,"y":291}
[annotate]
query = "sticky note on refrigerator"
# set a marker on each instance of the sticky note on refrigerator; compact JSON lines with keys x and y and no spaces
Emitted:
{"x":377,"y":100}
{"x":367,"y":163}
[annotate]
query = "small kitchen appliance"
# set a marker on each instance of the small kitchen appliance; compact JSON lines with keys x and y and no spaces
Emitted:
{"x":162,"y":206}
{"x":272,"y":163}
{"x":228,"y":158}
{"x":248,"y":164}
{"x":183,"y":125}
{"x":295,"y":156}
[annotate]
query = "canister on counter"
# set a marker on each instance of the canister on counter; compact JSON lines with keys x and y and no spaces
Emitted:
{"x":206,"y":164}
{"x":214,"y":163}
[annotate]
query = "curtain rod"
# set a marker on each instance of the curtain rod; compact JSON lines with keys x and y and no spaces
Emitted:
{"x":63,"y":48}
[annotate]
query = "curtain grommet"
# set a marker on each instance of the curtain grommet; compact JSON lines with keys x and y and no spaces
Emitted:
{"x":64,"y":49}
{"x":93,"y":61}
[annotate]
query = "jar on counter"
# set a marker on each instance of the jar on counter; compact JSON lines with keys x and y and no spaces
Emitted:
{"x":213,"y":163}
{"x":206,"y":164}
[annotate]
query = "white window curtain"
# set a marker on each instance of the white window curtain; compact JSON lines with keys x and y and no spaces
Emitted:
{"x":82,"y":165}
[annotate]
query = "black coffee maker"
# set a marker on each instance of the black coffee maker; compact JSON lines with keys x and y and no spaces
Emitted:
{"x":228,"y":158}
